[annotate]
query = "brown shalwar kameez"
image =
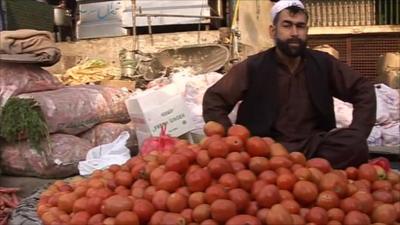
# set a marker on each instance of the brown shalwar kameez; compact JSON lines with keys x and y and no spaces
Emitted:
{"x":296,"y":124}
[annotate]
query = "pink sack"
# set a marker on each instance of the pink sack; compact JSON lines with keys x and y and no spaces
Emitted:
{"x":61,"y":157}
{"x":75,"y":109}
{"x":161,"y":143}
{"x":24,"y":78}
{"x":105,"y":133}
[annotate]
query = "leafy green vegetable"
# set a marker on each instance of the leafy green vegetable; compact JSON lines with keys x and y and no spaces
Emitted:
{"x":23,"y":118}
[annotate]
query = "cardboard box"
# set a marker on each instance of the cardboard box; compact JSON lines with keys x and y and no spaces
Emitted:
{"x":151,"y":109}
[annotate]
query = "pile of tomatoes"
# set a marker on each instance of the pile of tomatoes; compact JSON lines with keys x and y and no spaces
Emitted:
{"x":228,"y":178}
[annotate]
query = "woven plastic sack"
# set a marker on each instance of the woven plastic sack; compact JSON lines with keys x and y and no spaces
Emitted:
{"x":24,"y":78}
{"x":75,"y":109}
{"x":391,"y":134}
{"x":387,"y":104}
{"x":58,"y":159}
{"x":107,"y":132}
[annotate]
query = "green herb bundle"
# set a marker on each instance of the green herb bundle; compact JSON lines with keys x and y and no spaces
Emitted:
{"x":21,"y":118}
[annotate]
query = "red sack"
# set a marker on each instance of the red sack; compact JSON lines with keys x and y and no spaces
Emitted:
{"x":18,"y":78}
{"x":161,"y":143}
{"x":61,"y":157}
{"x":107,"y":132}
{"x":75,"y":109}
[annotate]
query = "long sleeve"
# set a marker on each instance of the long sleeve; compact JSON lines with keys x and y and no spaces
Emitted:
{"x":350,"y":86}
{"x":220,"y":98}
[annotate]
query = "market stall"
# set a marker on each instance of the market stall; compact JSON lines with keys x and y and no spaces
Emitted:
{"x":146,"y":156}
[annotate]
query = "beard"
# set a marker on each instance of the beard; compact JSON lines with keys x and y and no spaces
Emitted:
{"x":289,"y":50}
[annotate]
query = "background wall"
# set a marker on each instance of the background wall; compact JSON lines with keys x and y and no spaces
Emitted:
{"x":108,"y":48}
{"x":254,"y":21}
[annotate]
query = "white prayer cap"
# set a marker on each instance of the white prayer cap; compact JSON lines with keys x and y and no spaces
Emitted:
{"x":283,"y":4}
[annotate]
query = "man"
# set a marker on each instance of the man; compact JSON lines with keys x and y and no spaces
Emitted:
{"x":287,"y":93}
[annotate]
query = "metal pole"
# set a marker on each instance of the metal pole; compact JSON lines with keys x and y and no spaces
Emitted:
{"x":398,"y":12}
{"x":379,"y":12}
{"x":391,"y":11}
{"x":200,"y":20}
{"x":372,"y":13}
{"x":219,"y":8}
{"x":176,"y":15}
{"x":135,"y":44}
{"x":386,"y":13}
{"x":150,"y":30}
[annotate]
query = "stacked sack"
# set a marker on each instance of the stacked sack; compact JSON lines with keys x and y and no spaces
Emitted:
{"x":76,"y":118}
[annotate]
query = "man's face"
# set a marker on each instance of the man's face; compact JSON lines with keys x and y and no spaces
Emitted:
{"x":290,"y":33}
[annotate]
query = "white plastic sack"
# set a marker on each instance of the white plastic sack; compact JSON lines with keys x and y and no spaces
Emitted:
{"x":391,"y":134}
{"x":197,"y":86}
{"x":387,"y":107}
{"x":375,"y":137}
{"x":388,"y":104}
{"x":103,"y":156}
{"x":182,"y":77}
{"x":194,"y":92}
{"x":343,"y":113}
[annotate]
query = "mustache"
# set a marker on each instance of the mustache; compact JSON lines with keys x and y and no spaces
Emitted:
{"x":294,"y":40}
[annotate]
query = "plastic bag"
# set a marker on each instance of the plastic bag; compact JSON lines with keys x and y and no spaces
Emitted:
{"x":161,"y":143}
{"x":103,"y":156}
